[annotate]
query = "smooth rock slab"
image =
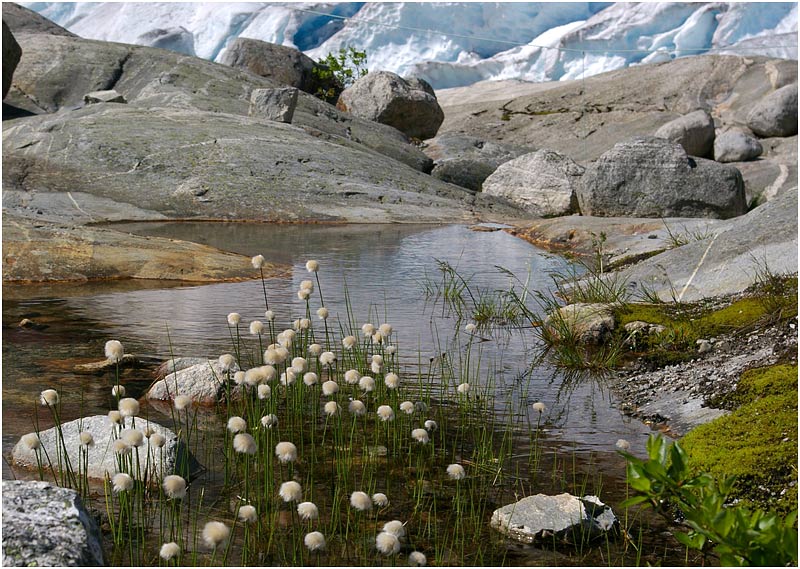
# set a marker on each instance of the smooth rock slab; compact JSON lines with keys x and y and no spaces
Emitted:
{"x":102,"y":460}
{"x":203,"y":383}
{"x":564,"y":516}
{"x":47,"y":526}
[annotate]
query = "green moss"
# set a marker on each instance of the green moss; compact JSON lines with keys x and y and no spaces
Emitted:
{"x":757,"y":442}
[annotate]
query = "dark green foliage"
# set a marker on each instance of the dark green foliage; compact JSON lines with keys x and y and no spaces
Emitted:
{"x":337,"y":71}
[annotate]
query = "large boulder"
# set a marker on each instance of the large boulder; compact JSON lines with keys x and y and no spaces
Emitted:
{"x":408,"y":105}
{"x":467,"y":161}
{"x":695,"y":132}
{"x":561,"y":517}
{"x":653,"y":177}
{"x":22,"y":20}
{"x":11,"y":55}
{"x":202,"y":383}
{"x":47,"y":526}
{"x":775,"y":114}
{"x":542,"y":183}
{"x":736,"y":146}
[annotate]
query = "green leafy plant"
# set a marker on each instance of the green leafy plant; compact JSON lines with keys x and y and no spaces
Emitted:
{"x":337,"y":71}
{"x":738,"y":535}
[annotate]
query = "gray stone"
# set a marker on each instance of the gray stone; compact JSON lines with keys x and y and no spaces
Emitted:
{"x":775,"y":114}
{"x":11,"y":56}
{"x":126,"y":361}
{"x":202,"y":383}
{"x":464,"y":172}
{"x":274,"y":104}
{"x":589,"y":323}
{"x":47,"y":526}
{"x":653,"y":177}
{"x":154,"y":462}
{"x":387,"y":98}
{"x":736,"y":146}
{"x":107,"y":96}
{"x":542,"y":183}
{"x":703,"y":346}
{"x":564,"y":517}
{"x":177,"y":364}
{"x":695,"y":132}
{"x":22,"y":20}
{"x":282,"y":64}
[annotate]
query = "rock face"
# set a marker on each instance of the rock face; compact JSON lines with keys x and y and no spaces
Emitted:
{"x":274,"y":104}
{"x":565,"y":517}
{"x":47,"y":526}
{"x":202,"y":383}
{"x":23,"y":20}
{"x":154,"y":462}
{"x":587,"y":323}
{"x":11,"y":55}
{"x":542,"y":183}
{"x":108,"y":96}
{"x":408,"y":105}
{"x":284,"y":65}
{"x":695,"y":132}
{"x":652,"y":177}
{"x":736,"y":146}
{"x":775,"y":114}
{"x":467,"y":161}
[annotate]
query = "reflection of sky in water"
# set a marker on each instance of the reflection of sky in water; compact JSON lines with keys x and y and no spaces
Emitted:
{"x":382,"y":267}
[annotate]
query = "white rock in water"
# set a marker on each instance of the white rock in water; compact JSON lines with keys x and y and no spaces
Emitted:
{"x":202,"y":383}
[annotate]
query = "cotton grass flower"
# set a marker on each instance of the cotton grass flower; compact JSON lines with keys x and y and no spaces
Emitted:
{"x":226,"y":362}
{"x":238,"y":377}
{"x":386,"y":413}
{"x":327,"y":358}
{"x":288,"y":378}
{"x":332,"y":408}
{"x":174,"y":487}
{"x":257,"y":261}
{"x":49,"y":398}
{"x":312,"y":266}
{"x":303,"y":294}
{"x":314,"y":541}
{"x":304,"y":324}
{"x":366,"y":383}
{"x":236,"y":424}
{"x":181,"y":402}
{"x":380,"y":500}
{"x":456,"y":472}
{"x":360,"y":501}
{"x":396,"y":528}
{"x":431,"y":425}
{"x":417,"y":559}
{"x":269,"y":421}
{"x":307,"y":285}
{"x":272,"y":357}
{"x":351,"y":376}
{"x":385,"y":330}
{"x":248,"y":514}
{"x":291,"y":491}
{"x":215,"y":534}
{"x":286,"y":452}
{"x":357,"y":408}
{"x":368,"y":329}
{"x":420,"y":435}
{"x":392,"y":380}
{"x":407,"y":407}
{"x":268,"y":372}
{"x":256,"y":327}
{"x":118,"y":391}
{"x":169,"y":550}
{"x":300,"y":364}
{"x":311,"y":378}
{"x":122,"y":482}
{"x":377,"y":359}
{"x":315,"y":350}
{"x":128,"y":407}
{"x":377,"y":338}
{"x":376,"y":367}
{"x":470,"y":328}
{"x":622,"y":444}
{"x":269,"y":316}
{"x":387,"y":543}
{"x":539,"y":407}
{"x":121,"y":447}
{"x":133,"y":437}
{"x":244,"y":443}
{"x":32,"y":441}
{"x":348,"y":342}
{"x":114,"y":417}
{"x":323,"y":313}
{"x":254,"y":376}
{"x":329,"y":388}
{"x":114,"y":351}
{"x":463,"y":388}
{"x":234,"y":318}
{"x":307,"y":511}
{"x":157,"y":440}
{"x":86,"y":438}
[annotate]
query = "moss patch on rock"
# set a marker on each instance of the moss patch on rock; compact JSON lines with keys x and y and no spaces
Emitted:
{"x":757,"y":442}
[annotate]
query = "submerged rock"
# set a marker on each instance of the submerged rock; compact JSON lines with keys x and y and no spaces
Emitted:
{"x":47,"y":526}
{"x":203,"y":383}
{"x":565,"y":517}
{"x":585,"y":322}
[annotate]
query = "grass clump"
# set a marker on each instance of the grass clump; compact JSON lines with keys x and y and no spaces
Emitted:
{"x":757,"y":442}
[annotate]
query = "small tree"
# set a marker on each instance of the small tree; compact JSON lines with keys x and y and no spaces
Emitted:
{"x":336,"y":72}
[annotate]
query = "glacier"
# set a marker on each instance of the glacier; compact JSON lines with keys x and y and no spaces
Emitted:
{"x":456,"y":43}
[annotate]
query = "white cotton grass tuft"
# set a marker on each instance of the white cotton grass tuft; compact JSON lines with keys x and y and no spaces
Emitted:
{"x":291,"y":491}
{"x":118,"y":391}
{"x":215,"y":534}
{"x":390,"y":350}
{"x":114,"y":350}
{"x":286,"y":451}
{"x":256,"y":327}
{"x":392,"y":380}
{"x":174,"y":487}
{"x":122,"y":482}
{"x":332,"y":408}
{"x":385,"y":412}
{"x":128,"y":407}
{"x":133,"y":437}
{"x":314,"y":541}
{"x":351,"y":376}
{"x":470,"y":328}
{"x":380,"y":500}
{"x":368,"y":329}
{"x":148,"y":430}
{"x":181,"y":402}
{"x":312,"y":266}
{"x":539,"y":407}
{"x":264,"y":391}
{"x":622,"y":444}
{"x":387,"y":543}
{"x":357,"y":408}
{"x":269,"y":316}
{"x":226,"y":362}
{"x":248,"y":514}
{"x":456,"y":472}
{"x":417,"y":559}
{"x":234,"y":318}
{"x":396,"y":528}
{"x":114,"y":417}
{"x":169,"y":550}
{"x":348,"y":342}
{"x":239,"y":377}
{"x":236,"y":424}
{"x":463,"y":388}
{"x":420,"y":435}
{"x":304,"y":324}
{"x":303,"y":294}
{"x":157,"y":440}
{"x":329,"y":388}
{"x":366,"y":383}
{"x":385,"y":330}
{"x":360,"y":501}
{"x":32,"y":441}
{"x":49,"y":398}
{"x":307,"y":511}
{"x":299,"y":363}
{"x":376,"y":367}
{"x":257,"y":261}
{"x":307,"y":285}
{"x":431,"y":425}
{"x":407,"y":407}
{"x":121,"y":447}
{"x":244,"y":443}
{"x":310,"y":378}
{"x":315,"y":349}
{"x":327,"y":358}
{"x":269,"y":421}
{"x":323,"y":313}
{"x":86,"y":438}
{"x":377,"y":338}
{"x":288,"y":378}
{"x":268,"y":371}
